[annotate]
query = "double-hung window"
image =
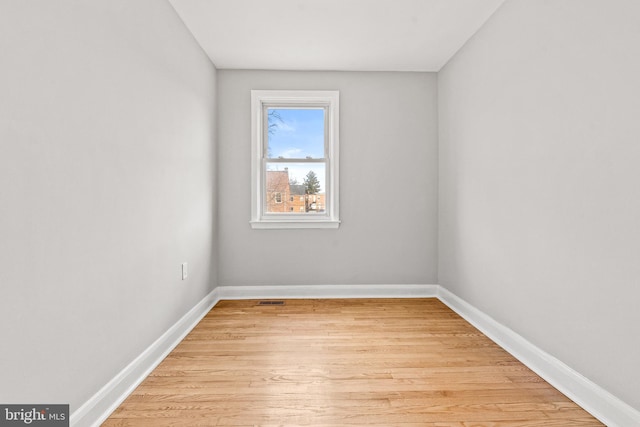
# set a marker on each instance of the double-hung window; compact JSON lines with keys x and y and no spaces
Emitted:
{"x":294,"y":159}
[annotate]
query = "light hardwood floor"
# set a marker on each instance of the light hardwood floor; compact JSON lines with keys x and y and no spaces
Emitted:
{"x":368,"y":362}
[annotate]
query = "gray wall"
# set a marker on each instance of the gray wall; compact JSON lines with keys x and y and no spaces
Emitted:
{"x":388,"y":184}
{"x":106,"y":186}
{"x":539,"y":181}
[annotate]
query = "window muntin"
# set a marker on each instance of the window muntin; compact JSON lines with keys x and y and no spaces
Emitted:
{"x":295,"y":154}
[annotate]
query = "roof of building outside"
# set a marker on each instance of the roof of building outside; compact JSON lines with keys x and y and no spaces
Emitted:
{"x":297,"y":189}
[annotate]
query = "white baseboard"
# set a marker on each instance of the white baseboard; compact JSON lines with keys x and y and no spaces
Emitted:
{"x":594,"y":399}
{"x":327,"y":291}
{"x":98,"y":408}
{"x":600,"y":403}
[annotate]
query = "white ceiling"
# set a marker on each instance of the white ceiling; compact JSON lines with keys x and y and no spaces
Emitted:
{"x":363,"y":35}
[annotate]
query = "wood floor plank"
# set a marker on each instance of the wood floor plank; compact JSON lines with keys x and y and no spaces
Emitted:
{"x":373,"y":362}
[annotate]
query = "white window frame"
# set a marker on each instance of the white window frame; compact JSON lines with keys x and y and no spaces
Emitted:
{"x":261,"y":99}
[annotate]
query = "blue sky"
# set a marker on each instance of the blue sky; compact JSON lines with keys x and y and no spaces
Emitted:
{"x":299,"y":134}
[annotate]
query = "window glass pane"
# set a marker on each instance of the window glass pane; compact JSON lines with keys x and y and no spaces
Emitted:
{"x":295,"y":133}
{"x":300,"y":186}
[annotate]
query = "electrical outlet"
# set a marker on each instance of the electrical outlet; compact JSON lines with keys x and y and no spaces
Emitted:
{"x":184,"y":270}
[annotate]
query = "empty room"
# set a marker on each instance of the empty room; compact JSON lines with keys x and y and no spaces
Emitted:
{"x":320,"y":213}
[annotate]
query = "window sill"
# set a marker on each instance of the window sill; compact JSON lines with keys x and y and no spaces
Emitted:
{"x":274,"y":224}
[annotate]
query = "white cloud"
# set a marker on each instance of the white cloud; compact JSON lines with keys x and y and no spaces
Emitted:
{"x":291,"y":153}
{"x":282,"y":126}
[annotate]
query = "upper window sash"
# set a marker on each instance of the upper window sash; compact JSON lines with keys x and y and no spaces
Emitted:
{"x":265,"y":133}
